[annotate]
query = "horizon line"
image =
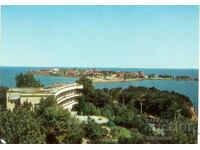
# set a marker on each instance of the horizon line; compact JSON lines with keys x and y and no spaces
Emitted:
{"x":93,"y":67}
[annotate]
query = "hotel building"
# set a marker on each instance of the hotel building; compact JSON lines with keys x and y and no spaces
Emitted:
{"x":66,"y":95}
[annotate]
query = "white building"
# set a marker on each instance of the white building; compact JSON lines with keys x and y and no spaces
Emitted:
{"x":66,"y":95}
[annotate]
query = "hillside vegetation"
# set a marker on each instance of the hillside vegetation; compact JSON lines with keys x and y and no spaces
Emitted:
{"x":136,"y":115}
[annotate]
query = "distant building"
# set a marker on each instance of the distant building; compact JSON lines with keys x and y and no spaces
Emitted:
{"x":66,"y":95}
{"x":55,"y":69}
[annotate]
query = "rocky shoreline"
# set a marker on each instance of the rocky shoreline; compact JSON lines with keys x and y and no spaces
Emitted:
{"x":101,"y":76}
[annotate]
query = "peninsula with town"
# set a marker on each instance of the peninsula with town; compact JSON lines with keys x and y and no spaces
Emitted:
{"x":97,"y":75}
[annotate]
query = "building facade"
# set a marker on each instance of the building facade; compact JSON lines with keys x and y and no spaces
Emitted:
{"x":66,"y":95}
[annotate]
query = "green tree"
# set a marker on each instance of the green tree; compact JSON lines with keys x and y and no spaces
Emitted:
{"x":182,"y":131}
{"x":45,"y":103}
{"x":82,"y":107}
{"x":127,"y":117}
{"x":88,"y":88}
{"x":21,"y":126}
{"x":118,"y":132}
{"x":27,"y":80}
{"x":94,"y":131}
{"x":3,"y":97}
{"x":26,"y":105}
{"x":135,"y":138}
{"x":60,"y":126}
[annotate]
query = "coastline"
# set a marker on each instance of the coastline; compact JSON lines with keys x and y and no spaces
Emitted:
{"x":105,"y":76}
{"x":178,"y":87}
{"x":96,"y":80}
{"x":127,"y":80}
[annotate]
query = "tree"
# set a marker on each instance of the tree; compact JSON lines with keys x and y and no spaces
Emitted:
{"x":21,"y":126}
{"x":27,"y":80}
{"x":26,"y":105}
{"x":102,"y":98}
{"x":182,"y":130}
{"x":151,"y":76}
{"x":49,"y":123}
{"x":60,"y":126}
{"x":141,"y":99}
{"x":45,"y":103}
{"x":118,"y":132}
{"x":94,"y":131}
{"x":126,"y":117}
{"x":3,"y":97}
{"x":88,"y":88}
{"x":135,"y":138}
{"x":82,"y":107}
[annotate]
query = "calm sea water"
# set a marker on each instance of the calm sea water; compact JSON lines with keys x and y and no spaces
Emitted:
{"x":188,"y":88}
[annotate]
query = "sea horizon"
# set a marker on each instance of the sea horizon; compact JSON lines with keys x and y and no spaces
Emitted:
{"x":99,"y":67}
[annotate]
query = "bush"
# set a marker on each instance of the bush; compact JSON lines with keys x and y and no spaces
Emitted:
{"x":94,"y":131}
{"x":21,"y":126}
{"x":110,"y":123}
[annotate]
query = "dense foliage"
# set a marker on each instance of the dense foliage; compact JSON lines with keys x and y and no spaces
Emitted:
{"x":136,"y":115}
{"x":27,"y":80}
{"x":132,"y":108}
{"x":158,"y":103}
{"x":3,"y":97}
{"x":46,"y":123}
{"x":60,"y":126}
{"x":94,"y":132}
{"x":21,"y":126}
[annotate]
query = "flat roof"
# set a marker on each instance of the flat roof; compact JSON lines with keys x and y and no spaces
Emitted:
{"x":26,"y":89}
{"x":49,"y":89}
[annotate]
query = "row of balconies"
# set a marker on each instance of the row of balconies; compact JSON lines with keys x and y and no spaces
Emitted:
{"x":66,"y":93}
{"x":66,"y":89}
{"x":66,"y":97}
{"x":69,"y":104}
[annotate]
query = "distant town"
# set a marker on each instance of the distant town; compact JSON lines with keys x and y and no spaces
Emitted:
{"x":107,"y":76}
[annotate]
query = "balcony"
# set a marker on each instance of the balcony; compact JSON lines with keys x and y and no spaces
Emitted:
{"x":69,"y":104}
{"x":63,"y":98}
{"x":68,"y":88}
{"x":64,"y":95}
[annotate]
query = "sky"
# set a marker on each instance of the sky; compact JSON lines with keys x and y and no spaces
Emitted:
{"x":100,"y":36}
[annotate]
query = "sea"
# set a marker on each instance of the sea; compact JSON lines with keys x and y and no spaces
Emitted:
{"x":188,"y":88}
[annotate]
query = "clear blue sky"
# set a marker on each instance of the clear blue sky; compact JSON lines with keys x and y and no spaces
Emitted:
{"x":100,"y":36}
